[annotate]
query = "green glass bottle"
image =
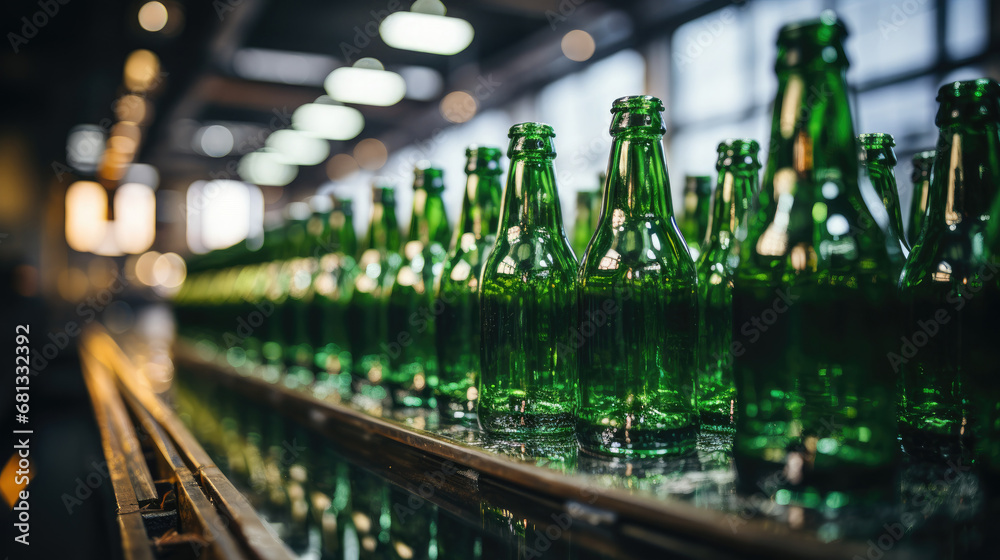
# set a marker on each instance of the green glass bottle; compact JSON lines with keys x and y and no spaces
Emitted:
{"x":921,"y":177}
{"x":303,"y":268}
{"x":947,"y":283}
{"x":638,"y":311}
{"x":369,"y":306}
{"x":333,"y":286}
{"x":814,"y":304}
{"x":411,"y":346}
{"x":588,"y":213}
{"x":274,"y":275}
{"x":528,"y":300}
{"x":458,"y":325}
{"x":880,"y":159}
{"x":697,"y":209}
{"x":735,"y":188}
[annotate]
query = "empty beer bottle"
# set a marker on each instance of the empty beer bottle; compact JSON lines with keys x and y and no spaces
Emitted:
{"x":880,"y":159}
{"x":734,"y":191}
{"x":814,"y":306}
{"x":411,"y":346}
{"x":458,"y":325}
{"x":921,"y":177}
{"x":697,"y":208}
{"x":588,"y":212}
{"x":638,"y":311}
{"x":328,"y":317}
{"x":302,"y":270}
{"x":368,"y":309}
{"x":949,"y":281}
{"x":528,"y":300}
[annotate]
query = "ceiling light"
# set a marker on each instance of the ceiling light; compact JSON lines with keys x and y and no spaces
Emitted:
{"x":265,"y":167}
{"x":425,"y":28}
{"x":298,"y":147}
{"x":365,"y":83}
{"x":333,"y":122}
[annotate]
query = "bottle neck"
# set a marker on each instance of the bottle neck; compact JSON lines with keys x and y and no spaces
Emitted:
{"x":734,"y":192}
{"x":966,"y":174}
{"x":428,"y":222}
{"x":383,"y":233}
{"x":345,"y":239}
{"x":530,"y":200}
{"x":637,"y":179}
{"x":880,"y":165}
{"x":480,"y":205}
{"x":812,"y":133}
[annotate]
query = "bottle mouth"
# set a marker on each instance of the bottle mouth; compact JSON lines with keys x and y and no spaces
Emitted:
{"x":382,"y":190}
{"x":531,"y":129}
{"x":876,"y":140}
{"x":983,"y":89}
{"x":482,"y":159}
{"x":637,"y":102}
{"x":828,"y":29}
{"x":428,"y":177}
{"x":738,"y":152}
{"x":969,"y":99}
{"x":813,"y":44}
{"x":531,"y":139}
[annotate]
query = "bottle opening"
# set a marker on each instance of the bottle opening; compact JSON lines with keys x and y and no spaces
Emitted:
{"x":482,"y":159}
{"x":876,"y":140}
{"x":738,"y":152}
{"x":968,"y":100}
{"x":428,"y":177}
{"x":531,"y":138}
{"x":640,"y":102}
{"x":639,"y":114}
{"x":970,"y":90}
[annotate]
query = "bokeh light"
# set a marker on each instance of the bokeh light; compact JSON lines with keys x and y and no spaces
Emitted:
{"x":458,"y":107}
{"x":578,"y":45}
{"x":371,"y":154}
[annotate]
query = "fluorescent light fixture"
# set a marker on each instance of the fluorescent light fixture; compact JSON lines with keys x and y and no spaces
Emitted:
{"x":298,"y":148}
{"x":333,"y":122}
{"x":283,"y":67}
{"x":265,"y":167}
{"x":86,"y":215}
{"x":365,"y":83}
{"x":135,"y":217}
{"x":222,"y":213}
{"x":426,"y":29}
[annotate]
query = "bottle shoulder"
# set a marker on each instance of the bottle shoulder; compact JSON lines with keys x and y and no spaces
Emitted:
{"x":531,"y":253}
{"x":946,"y":256}
{"x":651,"y":245}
